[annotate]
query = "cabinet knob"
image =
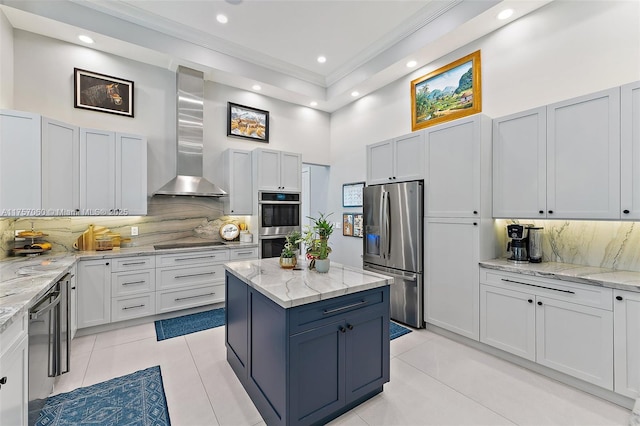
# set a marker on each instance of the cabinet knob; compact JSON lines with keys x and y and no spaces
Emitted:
{"x":107,"y":263}
{"x":3,"y":381}
{"x":350,"y":326}
{"x":530,"y":300}
{"x":550,"y":211}
{"x":77,"y":210}
{"x":625,"y":211}
{"x":475,"y":223}
{"x":475,"y":212}
{"x":73,"y":288}
{"x":390,"y":178}
{"x":539,"y":303}
{"x":541,"y":211}
{"x":342,"y":329}
{"x":618,"y":297}
{"x":394,"y":178}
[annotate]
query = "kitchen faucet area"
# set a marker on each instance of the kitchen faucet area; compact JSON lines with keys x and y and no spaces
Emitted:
{"x":273,"y":213}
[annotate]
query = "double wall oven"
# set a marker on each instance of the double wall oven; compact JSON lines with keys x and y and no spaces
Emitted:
{"x":278,"y":214}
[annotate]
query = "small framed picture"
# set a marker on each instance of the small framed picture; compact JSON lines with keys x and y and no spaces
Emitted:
{"x":358,"y":225}
{"x":246,"y":122}
{"x":347,"y":224}
{"x":103,"y":93}
{"x":352,"y":194}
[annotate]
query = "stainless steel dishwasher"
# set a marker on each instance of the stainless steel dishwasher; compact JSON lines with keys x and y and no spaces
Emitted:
{"x":49,"y":340}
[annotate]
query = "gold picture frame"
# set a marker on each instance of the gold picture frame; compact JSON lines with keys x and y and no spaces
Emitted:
{"x":448,"y":93}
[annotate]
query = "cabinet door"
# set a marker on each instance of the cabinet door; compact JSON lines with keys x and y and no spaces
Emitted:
{"x":452,"y":275}
{"x":94,"y":292}
{"x":508,"y":321}
{"x":238,"y":183}
{"x":409,"y":157}
{"x":290,"y":171}
{"x":14,"y":392}
{"x":268,"y":169}
{"x":317,"y":371}
{"x":60,"y":168}
{"x":630,"y":151}
{"x":20,"y":172}
{"x":575,"y":339}
{"x":97,"y":171}
{"x":131,"y":175}
{"x":626,"y":312}
{"x":583,"y":157}
{"x":380,"y":162}
{"x":453,"y":169}
{"x":237,"y":322}
{"x":519,"y":165}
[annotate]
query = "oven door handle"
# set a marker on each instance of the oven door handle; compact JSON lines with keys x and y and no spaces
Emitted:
{"x":271,"y":237}
{"x":35,"y":314}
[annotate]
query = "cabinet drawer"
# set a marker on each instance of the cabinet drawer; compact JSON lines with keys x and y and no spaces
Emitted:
{"x":240,"y":254}
{"x":167,"y":278}
{"x":315,"y":314}
{"x":168,"y":301}
{"x":192,"y":258}
{"x":134,"y":262}
{"x":583,"y":294}
{"x":126,"y":283}
{"x":124,"y":308}
{"x":14,"y":332}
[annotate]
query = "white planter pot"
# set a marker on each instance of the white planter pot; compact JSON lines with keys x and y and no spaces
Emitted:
{"x":322,"y":265}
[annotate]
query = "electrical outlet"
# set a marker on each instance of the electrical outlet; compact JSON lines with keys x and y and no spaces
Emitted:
{"x":134,"y":231}
{"x":337,"y":225}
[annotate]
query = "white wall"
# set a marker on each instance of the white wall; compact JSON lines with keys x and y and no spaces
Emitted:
{"x":6,"y":64}
{"x":560,"y":51}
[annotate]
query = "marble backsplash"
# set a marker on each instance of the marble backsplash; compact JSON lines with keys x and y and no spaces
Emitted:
{"x":168,"y":219}
{"x":604,"y":244}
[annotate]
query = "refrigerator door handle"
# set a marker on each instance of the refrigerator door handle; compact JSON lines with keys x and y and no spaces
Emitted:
{"x":387,"y":224}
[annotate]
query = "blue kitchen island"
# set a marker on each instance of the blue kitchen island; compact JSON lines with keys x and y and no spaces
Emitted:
{"x":306,"y":346}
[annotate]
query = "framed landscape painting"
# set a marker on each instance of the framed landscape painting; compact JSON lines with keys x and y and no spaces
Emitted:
{"x":448,"y":93}
{"x":103,"y":93}
{"x":246,"y":122}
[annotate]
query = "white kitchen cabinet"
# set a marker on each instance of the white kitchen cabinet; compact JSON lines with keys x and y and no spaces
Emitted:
{"x":451,"y":298}
{"x":60,"y":168}
{"x":520,"y":165}
{"x":396,"y":160}
{"x":131,"y":175}
{"x":20,"y":170}
{"x":458,"y":172}
{"x":94,"y":292}
{"x":14,"y":368}
{"x":238,"y":183}
{"x":630,"y":151}
{"x":277,"y":170}
{"x":583,"y":157}
{"x":626,"y":325}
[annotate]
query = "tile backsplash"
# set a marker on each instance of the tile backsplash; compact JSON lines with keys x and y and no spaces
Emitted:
{"x":168,"y":219}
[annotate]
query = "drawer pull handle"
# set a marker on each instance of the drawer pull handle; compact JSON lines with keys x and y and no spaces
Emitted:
{"x":539,"y":286}
{"x":618,"y":297}
{"x":134,"y":282}
{"x":195,"y":275}
{"x":133,"y":307}
{"x":343,"y":308}
{"x":133,"y":263}
{"x":193,"y":297}
{"x":179,"y":259}
{"x":244,"y":252}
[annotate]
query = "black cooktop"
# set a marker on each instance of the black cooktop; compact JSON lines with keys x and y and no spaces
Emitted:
{"x":187,"y":245}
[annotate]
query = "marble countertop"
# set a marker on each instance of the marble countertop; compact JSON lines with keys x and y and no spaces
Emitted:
{"x":294,"y":287}
{"x":591,"y":275}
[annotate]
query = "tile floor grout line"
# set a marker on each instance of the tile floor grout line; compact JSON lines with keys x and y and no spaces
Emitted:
{"x":201,"y":381}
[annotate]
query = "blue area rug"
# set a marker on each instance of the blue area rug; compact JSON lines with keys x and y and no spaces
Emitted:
{"x":396,"y":330}
{"x":179,"y":326}
{"x":134,"y":399}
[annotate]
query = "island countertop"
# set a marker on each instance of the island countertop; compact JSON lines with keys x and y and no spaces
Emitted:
{"x":294,"y":287}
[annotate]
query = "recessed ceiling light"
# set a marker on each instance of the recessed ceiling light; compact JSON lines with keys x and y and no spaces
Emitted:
{"x":256,"y":87}
{"x":85,"y":39}
{"x":313,"y":103}
{"x":505,"y":14}
{"x":222,"y":18}
{"x":322,"y":59}
{"x":411,"y":64}
{"x":354,"y":93}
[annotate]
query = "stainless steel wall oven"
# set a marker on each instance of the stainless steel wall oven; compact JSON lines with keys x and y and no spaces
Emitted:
{"x":278,"y":214}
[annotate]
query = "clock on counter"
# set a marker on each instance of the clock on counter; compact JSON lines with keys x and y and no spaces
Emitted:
{"x":229,"y":231}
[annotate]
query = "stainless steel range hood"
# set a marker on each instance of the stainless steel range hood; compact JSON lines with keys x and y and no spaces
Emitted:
{"x":190,"y":104}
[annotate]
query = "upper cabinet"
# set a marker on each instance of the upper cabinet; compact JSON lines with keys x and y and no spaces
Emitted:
{"x":60,"y":166}
{"x":97,"y":171}
{"x":131,"y":174}
{"x":238,"y":183}
{"x":561,"y":161}
{"x":277,"y":170}
{"x":396,"y":160}
{"x":630,"y":151}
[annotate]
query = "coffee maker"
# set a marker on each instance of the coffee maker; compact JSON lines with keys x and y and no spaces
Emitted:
{"x":518,"y":244}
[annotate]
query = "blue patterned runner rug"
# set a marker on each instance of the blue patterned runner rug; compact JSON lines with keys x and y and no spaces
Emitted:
{"x":134,"y":399}
{"x":396,"y":330}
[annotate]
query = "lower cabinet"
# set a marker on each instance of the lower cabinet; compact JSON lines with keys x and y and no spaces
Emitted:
{"x":312,"y":362}
{"x":14,"y":382}
{"x":94,"y":292}
{"x":564,"y":326}
{"x":626,"y":320}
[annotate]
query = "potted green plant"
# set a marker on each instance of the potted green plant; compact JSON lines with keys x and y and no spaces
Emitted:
{"x":316,"y":239}
{"x":289,"y":255}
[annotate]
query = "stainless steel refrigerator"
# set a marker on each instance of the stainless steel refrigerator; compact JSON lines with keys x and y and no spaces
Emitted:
{"x":393,"y":244}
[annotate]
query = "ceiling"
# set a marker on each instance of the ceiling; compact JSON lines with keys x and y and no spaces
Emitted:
{"x":275,"y":44}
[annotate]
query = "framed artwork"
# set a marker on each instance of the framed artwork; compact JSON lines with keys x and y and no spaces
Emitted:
{"x":246,"y":122}
{"x":352,"y":194}
{"x":448,"y":93}
{"x":103,"y":93}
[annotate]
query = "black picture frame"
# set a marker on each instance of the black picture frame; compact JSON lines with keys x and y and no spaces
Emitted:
{"x":102,"y":93}
{"x":352,"y":224}
{"x":247,"y":122}
{"x":352,"y":194}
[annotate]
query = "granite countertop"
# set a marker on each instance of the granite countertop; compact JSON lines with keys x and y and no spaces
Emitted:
{"x":591,"y":275}
{"x":294,"y":287}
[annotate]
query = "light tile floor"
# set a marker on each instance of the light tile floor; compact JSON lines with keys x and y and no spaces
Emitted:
{"x":434,"y":381}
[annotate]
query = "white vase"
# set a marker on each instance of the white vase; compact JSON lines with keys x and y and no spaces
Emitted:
{"x":322,"y":265}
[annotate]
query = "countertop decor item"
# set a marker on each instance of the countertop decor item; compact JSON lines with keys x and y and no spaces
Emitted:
{"x":289,"y":254}
{"x":229,"y":231}
{"x":103,"y":93}
{"x":316,"y":240}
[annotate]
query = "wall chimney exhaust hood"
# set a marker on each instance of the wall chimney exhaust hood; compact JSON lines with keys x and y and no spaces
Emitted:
{"x":190,"y":106}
